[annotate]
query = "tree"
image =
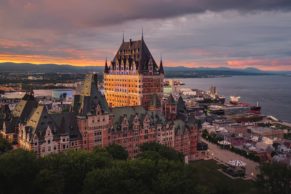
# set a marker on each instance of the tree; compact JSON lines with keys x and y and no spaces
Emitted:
{"x":275,"y":178}
{"x":141,"y":176}
{"x":18,"y":170}
{"x":73,"y":166}
{"x":5,"y":146}
{"x":164,"y":151}
{"x":48,"y":181}
{"x":117,"y":152}
{"x":151,"y":155}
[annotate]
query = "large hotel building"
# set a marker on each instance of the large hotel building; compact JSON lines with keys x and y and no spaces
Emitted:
{"x":131,"y":114}
{"x":133,"y":77}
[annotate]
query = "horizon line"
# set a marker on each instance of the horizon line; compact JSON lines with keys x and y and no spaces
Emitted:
{"x":201,"y":67}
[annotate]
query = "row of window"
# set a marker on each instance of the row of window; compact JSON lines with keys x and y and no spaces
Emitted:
{"x":121,"y":80}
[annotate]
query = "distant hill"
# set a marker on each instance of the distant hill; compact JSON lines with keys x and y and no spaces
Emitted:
{"x":178,"y":71}
{"x":45,"y":68}
{"x":181,"y":68}
{"x":209,"y":72}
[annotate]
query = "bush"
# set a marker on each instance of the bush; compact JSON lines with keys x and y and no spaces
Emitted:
{"x":5,"y":146}
{"x":156,"y":150}
{"x":117,"y":152}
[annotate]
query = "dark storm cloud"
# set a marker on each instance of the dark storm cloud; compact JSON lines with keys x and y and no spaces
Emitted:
{"x":185,"y":32}
{"x":84,"y":13}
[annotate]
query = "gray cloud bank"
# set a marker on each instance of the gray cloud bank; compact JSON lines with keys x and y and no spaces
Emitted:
{"x":90,"y":13}
{"x":192,"y":32}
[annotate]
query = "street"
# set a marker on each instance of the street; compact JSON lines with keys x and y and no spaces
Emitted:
{"x":223,"y":156}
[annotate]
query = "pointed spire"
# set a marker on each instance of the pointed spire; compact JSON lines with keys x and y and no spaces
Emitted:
{"x":141,"y":33}
{"x":171,"y":99}
{"x":106,"y":69}
{"x":31,"y":93}
{"x":161,"y":70}
{"x":123,"y":37}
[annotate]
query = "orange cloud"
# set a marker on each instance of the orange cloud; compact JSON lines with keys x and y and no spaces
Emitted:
{"x":39,"y":59}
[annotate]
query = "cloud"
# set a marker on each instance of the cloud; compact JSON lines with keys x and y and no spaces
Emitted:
{"x":265,"y":64}
{"x":66,"y":14}
{"x":186,"y":32}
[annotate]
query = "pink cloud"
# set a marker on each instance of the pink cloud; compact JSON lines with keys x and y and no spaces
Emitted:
{"x":264,"y":64}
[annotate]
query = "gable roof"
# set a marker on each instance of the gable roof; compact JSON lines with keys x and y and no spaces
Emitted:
{"x":171,"y":100}
{"x":24,"y":108}
{"x":90,"y":97}
{"x":40,"y":120}
{"x":59,"y":123}
{"x":119,"y":113}
{"x":155,"y":101}
{"x":182,"y":127}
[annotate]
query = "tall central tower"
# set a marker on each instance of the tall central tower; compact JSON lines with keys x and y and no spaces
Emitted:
{"x":133,"y":78}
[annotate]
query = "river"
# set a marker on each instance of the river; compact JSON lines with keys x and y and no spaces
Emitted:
{"x":272,"y":92}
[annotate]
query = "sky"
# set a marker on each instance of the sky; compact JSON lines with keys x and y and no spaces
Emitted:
{"x":192,"y":33}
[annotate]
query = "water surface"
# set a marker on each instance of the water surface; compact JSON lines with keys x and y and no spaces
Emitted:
{"x":272,"y":92}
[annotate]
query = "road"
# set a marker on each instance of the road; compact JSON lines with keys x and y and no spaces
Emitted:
{"x":223,"y":156}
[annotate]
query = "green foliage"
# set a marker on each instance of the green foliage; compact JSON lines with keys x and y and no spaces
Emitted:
{"x":141,"y":176}
{"x":73,"y":167}
{"x":157,"y":151}
{"x":117,"y":152}
{"x":17,"y":169}
{"x":49,"y":181}
{"x":157,"y":170}
{"x":287,"y":136}
{"x":275,"y":178}
{"x":150,"y":155}
{"x":211,"y":137}
{"x":246,"y":154}
{"x":5,"y":146}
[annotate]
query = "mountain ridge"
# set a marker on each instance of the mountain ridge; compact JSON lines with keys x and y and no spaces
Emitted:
{"x":53,"y":68}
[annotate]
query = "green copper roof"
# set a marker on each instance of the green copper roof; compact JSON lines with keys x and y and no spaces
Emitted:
{"x":155,"y":102}
{"x":171,"y":99}
{"x":156,"y":117}
{"x":90,"y":97}
{"x":60,"y":123}
{"x":23,"y":109}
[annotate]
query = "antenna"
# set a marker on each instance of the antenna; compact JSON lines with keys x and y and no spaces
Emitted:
{"x":142,"y":33}
{"x":123,"y":37}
